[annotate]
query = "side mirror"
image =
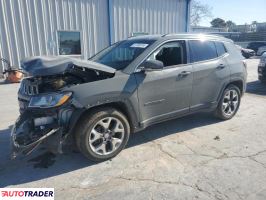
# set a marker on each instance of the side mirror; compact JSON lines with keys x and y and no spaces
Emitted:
{"x":152,"y":65}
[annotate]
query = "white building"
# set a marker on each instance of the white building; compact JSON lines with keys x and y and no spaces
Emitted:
{"x":82,"y":27}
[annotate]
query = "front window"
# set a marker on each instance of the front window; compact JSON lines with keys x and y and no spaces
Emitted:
{"x":121,"y":54}
{"x":171,"y":54}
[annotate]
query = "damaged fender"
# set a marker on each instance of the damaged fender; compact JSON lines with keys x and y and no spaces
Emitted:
{"x":90,"y":84}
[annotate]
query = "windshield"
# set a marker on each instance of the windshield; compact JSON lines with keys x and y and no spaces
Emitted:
{"x":121,"y":54}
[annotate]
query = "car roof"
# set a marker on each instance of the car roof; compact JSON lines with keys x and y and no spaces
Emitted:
{"x":181,"y":36}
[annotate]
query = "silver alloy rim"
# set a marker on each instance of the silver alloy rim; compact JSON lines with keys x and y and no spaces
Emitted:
{"x":230,"y":102}
{"x":106,"y":136}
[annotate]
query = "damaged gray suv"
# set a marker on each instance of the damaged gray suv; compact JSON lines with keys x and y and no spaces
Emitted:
{"x":124,"y":89}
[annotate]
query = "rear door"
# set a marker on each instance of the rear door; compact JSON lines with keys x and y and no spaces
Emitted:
{"x":210,"y":72}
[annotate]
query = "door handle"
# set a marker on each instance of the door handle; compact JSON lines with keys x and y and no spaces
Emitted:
{"x":184,"y":73}
{"x":221,"y":66}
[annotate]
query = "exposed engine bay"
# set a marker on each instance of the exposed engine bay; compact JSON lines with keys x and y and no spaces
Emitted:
{"x":45,"y":109}
{"x":51,"y":83}
{"x":74,"y":76}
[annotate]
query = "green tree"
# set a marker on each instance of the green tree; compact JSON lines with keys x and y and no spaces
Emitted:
{"x":230,"y":25}
{"x":254,"y":22}
{"x":218,"y":23}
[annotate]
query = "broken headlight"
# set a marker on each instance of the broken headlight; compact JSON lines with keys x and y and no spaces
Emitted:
{"x":49,"y":100}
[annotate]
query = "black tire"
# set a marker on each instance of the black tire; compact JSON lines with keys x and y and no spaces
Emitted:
{"x":219,"y":113}
{"x":86,"y":125}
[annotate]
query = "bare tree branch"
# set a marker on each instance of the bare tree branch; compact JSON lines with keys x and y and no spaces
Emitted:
{"x":199,"y":11}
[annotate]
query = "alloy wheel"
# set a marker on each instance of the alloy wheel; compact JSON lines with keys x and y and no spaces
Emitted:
{"x":230,"y":102}
{"x":106,"y":136}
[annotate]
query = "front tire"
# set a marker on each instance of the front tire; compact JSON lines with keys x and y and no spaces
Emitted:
{"x":229,"y":103}
{"x":102,"y":134}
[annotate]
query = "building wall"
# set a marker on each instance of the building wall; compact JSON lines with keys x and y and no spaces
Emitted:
{"x":29,"y":27}
{"x":148,"y":16}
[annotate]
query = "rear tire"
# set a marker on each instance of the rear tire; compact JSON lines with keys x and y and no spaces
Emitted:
{"x":229,"y":103}
{"x":102,"y":134}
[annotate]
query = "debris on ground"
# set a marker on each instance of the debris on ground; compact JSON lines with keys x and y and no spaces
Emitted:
{"x":217,"y":138}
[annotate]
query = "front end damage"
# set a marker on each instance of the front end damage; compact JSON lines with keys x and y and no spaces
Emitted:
{"x":49,"y":110}
{"x":34,"y":127}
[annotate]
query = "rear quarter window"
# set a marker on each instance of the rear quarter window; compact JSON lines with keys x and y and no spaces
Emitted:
{"x":202,"y":50}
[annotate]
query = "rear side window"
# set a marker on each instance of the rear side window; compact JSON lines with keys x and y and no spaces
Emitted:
{"x":202,"y":50}
{"x":221,"y":50}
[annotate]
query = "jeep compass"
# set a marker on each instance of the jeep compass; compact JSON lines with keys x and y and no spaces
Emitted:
{"x":123,"y":89}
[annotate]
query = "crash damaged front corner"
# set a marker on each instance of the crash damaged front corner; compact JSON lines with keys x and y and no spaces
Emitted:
{"x":48,"y":108}
{"x":33,"y":128}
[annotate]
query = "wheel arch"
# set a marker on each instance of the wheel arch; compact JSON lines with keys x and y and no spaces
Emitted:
{"x":122,"y":106}
{"x":237,"y":82}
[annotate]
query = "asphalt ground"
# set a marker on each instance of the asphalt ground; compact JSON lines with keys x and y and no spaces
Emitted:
{"x":195,"y":157}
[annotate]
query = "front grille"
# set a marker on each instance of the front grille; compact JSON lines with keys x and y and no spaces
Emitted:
{"x":28,"y":87}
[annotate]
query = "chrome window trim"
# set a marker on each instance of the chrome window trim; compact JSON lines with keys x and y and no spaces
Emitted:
{"x":188,"y":52}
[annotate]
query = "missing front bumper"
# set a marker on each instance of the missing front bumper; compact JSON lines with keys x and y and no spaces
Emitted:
{"x":52,"y":128}
{"x":25,"y":136}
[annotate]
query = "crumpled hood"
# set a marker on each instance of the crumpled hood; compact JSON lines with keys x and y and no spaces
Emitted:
{"x":51,"y":65}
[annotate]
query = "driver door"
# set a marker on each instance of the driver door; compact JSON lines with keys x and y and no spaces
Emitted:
{"x":165,"y":93}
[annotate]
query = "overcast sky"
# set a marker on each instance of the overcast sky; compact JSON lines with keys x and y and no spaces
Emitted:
{"x":239,"y":11}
